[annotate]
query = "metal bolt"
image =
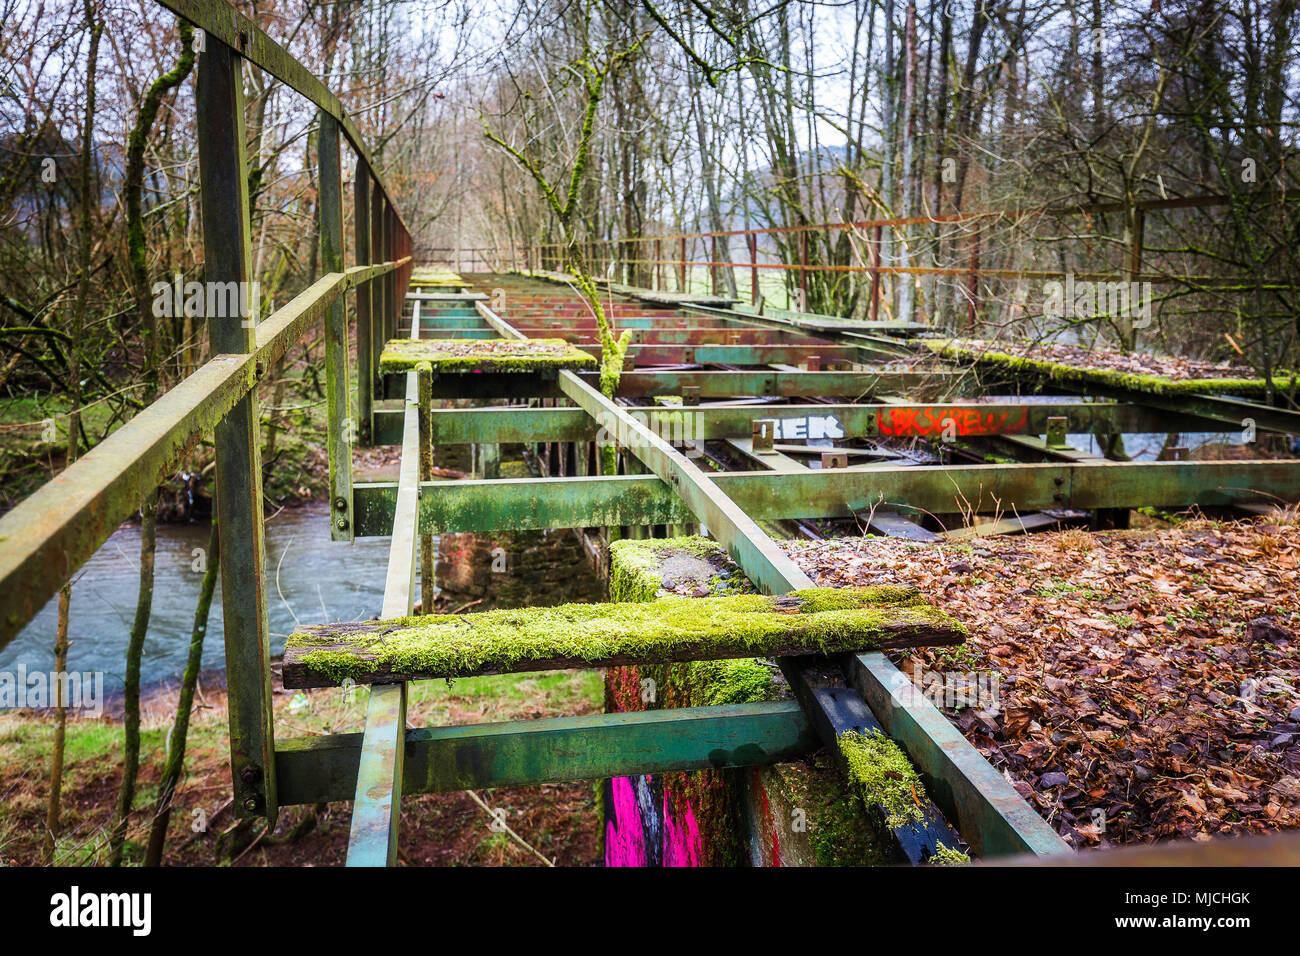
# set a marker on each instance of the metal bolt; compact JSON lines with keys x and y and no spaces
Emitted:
{"x":340,"y":503}
{"x":1060,"y":480}
{"x":250,"y":804}
{"x":250,"y":774}
{"x":341,"y":523}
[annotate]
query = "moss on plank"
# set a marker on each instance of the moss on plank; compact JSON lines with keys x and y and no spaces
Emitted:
{"x":883,"y":777}
{"x":1133,"y":381}
{"x":636,"y":566}
{"x":469,"y":356}
{"x":810,"y":621}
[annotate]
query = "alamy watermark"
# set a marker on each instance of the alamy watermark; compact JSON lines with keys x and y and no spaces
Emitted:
{"x":40,"y":690}
{"x":1086,"y":300}
{"x":208,"y":300}
{"x":952,"y":689}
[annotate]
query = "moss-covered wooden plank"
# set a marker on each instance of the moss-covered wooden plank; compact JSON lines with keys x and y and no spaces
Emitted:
{"x":1209,"y":381}
{"x":470,"y":356}
{"x":811,"y":621}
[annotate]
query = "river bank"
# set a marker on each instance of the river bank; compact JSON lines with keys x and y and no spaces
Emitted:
{"x":560,"y":821}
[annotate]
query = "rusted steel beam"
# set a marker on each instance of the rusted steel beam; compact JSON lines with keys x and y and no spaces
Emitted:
{"x":986,"y":489}
{"x":644,"y":384}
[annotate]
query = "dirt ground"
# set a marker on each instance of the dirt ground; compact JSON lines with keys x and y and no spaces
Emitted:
{"x":557,"y":822}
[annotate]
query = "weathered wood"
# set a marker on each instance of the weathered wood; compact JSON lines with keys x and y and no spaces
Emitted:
{"x":811,"y":621}
{"x":340,"y":425}
{"x":483,"y":356}
{"x":227,"y":248}
{"x":365,"y":337}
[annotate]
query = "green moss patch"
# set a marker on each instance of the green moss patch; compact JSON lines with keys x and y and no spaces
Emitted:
{"x":945,"y":855}
{"x":641,"y":570}
{"x":468,"y":356}
{"x":883,"y":777}
{"x":811,"y":621}
{"x":1113,"y":378}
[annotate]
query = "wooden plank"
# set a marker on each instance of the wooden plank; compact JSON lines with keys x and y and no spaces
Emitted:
{"x":815,"y":621}
{"x":515,"y":424}
{"x":227,"y":249}
{"x":324,"y":769}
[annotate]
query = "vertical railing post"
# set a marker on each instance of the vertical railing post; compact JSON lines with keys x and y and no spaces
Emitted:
{"x":803,"y":271}
{"x":681,"y":268}
{"x":341,"y":426}
{"x":378,"y":289}
{"x":753,"y":268}
{"x":365,"y":336}
{"x":395,"y":296}
{"x":875,"y":275}
{"x":227,"y":257}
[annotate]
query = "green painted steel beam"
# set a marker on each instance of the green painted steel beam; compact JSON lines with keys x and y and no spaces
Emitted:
{"x":988,"y":813}
{"x":455,"y":426}
{"x":857,"y":384}
{"x":1228,"y":414}
{"x":526,"y":752}
{"x":518,"y":504}
{"x":521,"y":504}
{"x":1023,"y":487}
{"x":377,"y":803}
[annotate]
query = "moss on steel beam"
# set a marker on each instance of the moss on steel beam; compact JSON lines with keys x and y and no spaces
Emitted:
{"x":1133,"y":381}
{"x":883,"y":777}
{"x":469,"y":356}
{"x":810,"y":621}
{"x":945,"y":855}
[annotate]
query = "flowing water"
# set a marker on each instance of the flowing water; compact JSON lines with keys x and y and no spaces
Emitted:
{"x":310,"y":580}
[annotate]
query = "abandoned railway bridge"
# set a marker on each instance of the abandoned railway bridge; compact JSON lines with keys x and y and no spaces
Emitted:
{"x":728,"y":423}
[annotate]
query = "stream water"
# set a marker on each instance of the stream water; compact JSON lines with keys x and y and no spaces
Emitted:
{"x":310,"y":580}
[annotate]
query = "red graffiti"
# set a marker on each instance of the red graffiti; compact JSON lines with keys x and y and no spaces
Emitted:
{"x":919,"y":421}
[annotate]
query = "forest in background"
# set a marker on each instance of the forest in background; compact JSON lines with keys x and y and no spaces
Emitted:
{"x":994,"y":127}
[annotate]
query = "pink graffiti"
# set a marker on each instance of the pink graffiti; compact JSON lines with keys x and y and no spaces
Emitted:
{"x":681,"y":841}
{"x":624,"y":843}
